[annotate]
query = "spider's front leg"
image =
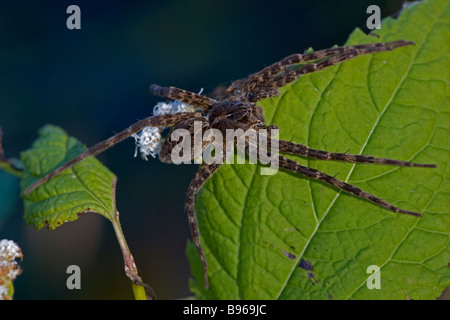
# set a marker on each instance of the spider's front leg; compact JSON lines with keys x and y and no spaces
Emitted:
{"x":154,"y":121}
{"x":191,"y":98}
{"x":205,"y":172}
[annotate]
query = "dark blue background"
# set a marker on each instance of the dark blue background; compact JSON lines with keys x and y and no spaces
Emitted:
{"x":94,"y":82}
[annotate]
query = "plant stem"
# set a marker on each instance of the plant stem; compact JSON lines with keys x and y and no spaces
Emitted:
{"x":141,"y":290}
{"x":8,"y":164}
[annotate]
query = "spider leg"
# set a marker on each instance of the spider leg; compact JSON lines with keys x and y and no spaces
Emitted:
{"x":205,"y":172}
{"x":354,"y":52}
{"x":265,"y":83}
{"x":185,"y":96}
{"x":294,"y":166}
{"x":298,"y":149}
{"x":154,"y":121}
{"x":321,"y":54}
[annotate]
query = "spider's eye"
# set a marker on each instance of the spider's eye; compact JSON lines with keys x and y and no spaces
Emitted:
{"x":251,"y":96}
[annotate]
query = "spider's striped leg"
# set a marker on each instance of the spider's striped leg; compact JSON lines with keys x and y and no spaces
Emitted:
{"x":353,"y":52}
{"x":191,"y":98}
{"x":263,"y":86}
{"x":205,"y":172}
{"x":294,"y":166}
{"x":298,"y":149}
{"x":280,"y":66}
{"x":166,"y":120}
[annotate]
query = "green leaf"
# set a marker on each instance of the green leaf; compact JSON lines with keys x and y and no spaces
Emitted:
{"x":88,"y":186}
{"x":287,"y":237}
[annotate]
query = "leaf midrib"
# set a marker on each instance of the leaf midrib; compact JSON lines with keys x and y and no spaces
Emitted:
{"x":318,"y":222}
{"x":419,"y":48}
{"x":241,"y":229}
{"x":83,"y":185}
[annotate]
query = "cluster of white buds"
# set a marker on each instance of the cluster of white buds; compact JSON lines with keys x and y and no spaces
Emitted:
{"x":149,"y":140}
{"x":9,"y":269}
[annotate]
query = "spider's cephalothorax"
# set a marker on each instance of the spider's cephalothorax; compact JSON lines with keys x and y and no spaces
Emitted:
{"x":236,"y":115}
{"x":235,"y":108}
{"x":223,"y":116}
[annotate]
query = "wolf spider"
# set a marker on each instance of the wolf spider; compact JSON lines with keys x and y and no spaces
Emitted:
{"x":236,"y":107}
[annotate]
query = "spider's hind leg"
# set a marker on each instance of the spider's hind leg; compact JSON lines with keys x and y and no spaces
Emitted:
{"x":301,"y":150}
{"x":294,"y":166}
{"x":205,"y":172}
